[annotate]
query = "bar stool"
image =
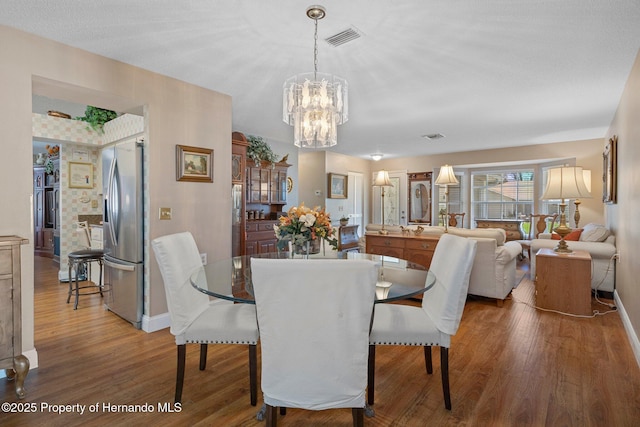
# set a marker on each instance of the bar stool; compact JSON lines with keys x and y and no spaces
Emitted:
{"x":76,"y":259}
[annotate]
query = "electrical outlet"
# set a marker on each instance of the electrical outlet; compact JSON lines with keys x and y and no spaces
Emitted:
{"x":164,"y":213}
{"x":203,"y":257}
{"x":617,"y":257}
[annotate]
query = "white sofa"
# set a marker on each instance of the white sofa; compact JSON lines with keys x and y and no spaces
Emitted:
{"x":600,"y":243}
{"x":493,"y":274}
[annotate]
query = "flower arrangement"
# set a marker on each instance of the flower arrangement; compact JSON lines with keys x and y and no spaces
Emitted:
{"x":303,"y":224}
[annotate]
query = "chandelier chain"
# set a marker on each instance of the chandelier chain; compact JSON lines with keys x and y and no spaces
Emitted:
{"x":315,"y":51}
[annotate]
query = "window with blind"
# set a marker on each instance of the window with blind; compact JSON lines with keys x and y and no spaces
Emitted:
{"x":502,"y":194}
{"x":455,"y":199}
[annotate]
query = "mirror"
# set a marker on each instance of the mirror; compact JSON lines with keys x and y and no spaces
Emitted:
{"x":419,"y":197}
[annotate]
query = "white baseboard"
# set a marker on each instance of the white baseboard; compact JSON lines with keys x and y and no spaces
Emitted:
{"x":626,"y":322}
{"x":155,"y":323}
{"x":32,"y":355}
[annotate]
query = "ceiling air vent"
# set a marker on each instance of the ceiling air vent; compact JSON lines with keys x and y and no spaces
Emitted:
{"x":343,"y":37}
{"x":433,"y":136}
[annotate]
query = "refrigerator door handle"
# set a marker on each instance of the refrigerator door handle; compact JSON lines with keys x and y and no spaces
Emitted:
{"x":113,"y":201}
{"x":120,"y":266}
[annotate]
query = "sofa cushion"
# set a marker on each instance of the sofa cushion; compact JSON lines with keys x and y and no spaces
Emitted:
{"x":594,"y":233}
{"x":573,"y":236}
{"x":490,"y":233}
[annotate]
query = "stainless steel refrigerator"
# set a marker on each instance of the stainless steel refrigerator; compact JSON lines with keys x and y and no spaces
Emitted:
{"x":123,"y":225}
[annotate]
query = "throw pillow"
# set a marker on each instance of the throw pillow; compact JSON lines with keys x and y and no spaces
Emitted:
{"x":573,"y":236}
{"x":594,"y":233}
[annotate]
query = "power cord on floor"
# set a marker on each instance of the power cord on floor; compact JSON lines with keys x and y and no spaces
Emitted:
{"x":595,"y":312}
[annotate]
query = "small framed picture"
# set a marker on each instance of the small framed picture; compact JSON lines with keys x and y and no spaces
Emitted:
{"x":337,"y":186}
{"x":80,"y":175}
{"x":194,"y":164}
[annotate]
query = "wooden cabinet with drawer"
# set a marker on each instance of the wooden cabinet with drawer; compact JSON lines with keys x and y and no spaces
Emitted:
{"x":260,"y":237}
{"x":420,"y":251}
{"x":11,"y":357}
{"x":415,"y":249}
{"x":511,"y":226}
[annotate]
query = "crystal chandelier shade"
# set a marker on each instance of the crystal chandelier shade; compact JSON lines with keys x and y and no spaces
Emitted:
{"x":315,"y":103}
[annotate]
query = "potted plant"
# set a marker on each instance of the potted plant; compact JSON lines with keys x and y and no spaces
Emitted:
{"x":344,"y":220}
{"x":260,"y":151}
{"x":97,"y":117}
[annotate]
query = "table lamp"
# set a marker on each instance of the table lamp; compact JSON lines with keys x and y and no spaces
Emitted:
{"x":382,"y":180}
{"x":564,"y":183}
{"x":586,"y":174}
{"x":446,"y":178}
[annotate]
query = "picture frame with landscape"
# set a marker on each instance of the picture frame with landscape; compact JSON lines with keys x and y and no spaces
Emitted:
{"x":337,"y":186}
{"x":194,"y":164}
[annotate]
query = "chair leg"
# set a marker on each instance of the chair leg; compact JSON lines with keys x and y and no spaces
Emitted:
{"x":272,"y":417}
{"x":75,"y":305}
{"x":70,"y":284}
{"x":358,"y":417}
{"x":427,"y":359}
{"x":253,"y":374}
{"x":182,"y":354}
{"x":444,"y":367}
{"x":371,"y":379}
{"x":203,"y":356}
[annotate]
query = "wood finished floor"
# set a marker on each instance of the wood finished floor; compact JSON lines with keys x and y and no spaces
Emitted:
{"x":508,"y":366}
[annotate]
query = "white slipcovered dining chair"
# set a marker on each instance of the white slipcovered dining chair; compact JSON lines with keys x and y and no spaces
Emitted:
{"x":194,"y":317}
{"x":314,"y":318}
{"x":437,"y":320}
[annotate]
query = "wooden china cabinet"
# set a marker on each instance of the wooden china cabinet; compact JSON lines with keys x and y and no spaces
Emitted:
{"x":46,"y":214}
{"x":259,"y":193}
{"x":238,"y":217}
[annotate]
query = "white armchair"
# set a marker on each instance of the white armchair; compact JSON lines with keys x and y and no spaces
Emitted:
{"x":494,"y":269}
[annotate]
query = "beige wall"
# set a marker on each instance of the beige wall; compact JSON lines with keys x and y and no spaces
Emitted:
{"x":587,"y":154}
{"x":623,"y":216}
{"x":175,"y":112}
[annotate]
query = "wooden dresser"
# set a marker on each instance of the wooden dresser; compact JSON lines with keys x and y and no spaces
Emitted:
{"x":11,"y":357}
{"x":511,"y":226}
{"x":415,"y":249}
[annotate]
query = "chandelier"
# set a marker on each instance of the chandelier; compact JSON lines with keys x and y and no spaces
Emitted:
{"x":315,"y":103}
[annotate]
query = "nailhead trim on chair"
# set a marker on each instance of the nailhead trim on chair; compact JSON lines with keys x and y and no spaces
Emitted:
{"x":404,"y":343}
{"x":220,"y":342}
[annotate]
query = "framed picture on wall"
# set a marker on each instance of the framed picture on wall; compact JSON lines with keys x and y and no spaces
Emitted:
{"x":609,"y":172}
{"x":80,"y":175}
{"x":337,"y":186}
{"x":194,"y":164}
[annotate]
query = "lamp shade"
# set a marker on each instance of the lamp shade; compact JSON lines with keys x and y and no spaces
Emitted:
{"x":382,"y":179}
{"x":565,"y":183}
{"x":586,"y":174}
{"x":446,"y":176}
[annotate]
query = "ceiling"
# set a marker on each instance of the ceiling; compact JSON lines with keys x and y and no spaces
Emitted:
{"x":486,"y":74}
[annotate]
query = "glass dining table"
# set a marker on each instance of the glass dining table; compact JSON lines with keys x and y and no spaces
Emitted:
{"x":230,"y":279}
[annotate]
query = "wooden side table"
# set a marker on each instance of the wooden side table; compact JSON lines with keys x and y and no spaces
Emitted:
{"x":563,"y":281}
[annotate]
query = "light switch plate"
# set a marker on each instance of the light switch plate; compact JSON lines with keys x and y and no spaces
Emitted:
{"x":165,"y":213}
